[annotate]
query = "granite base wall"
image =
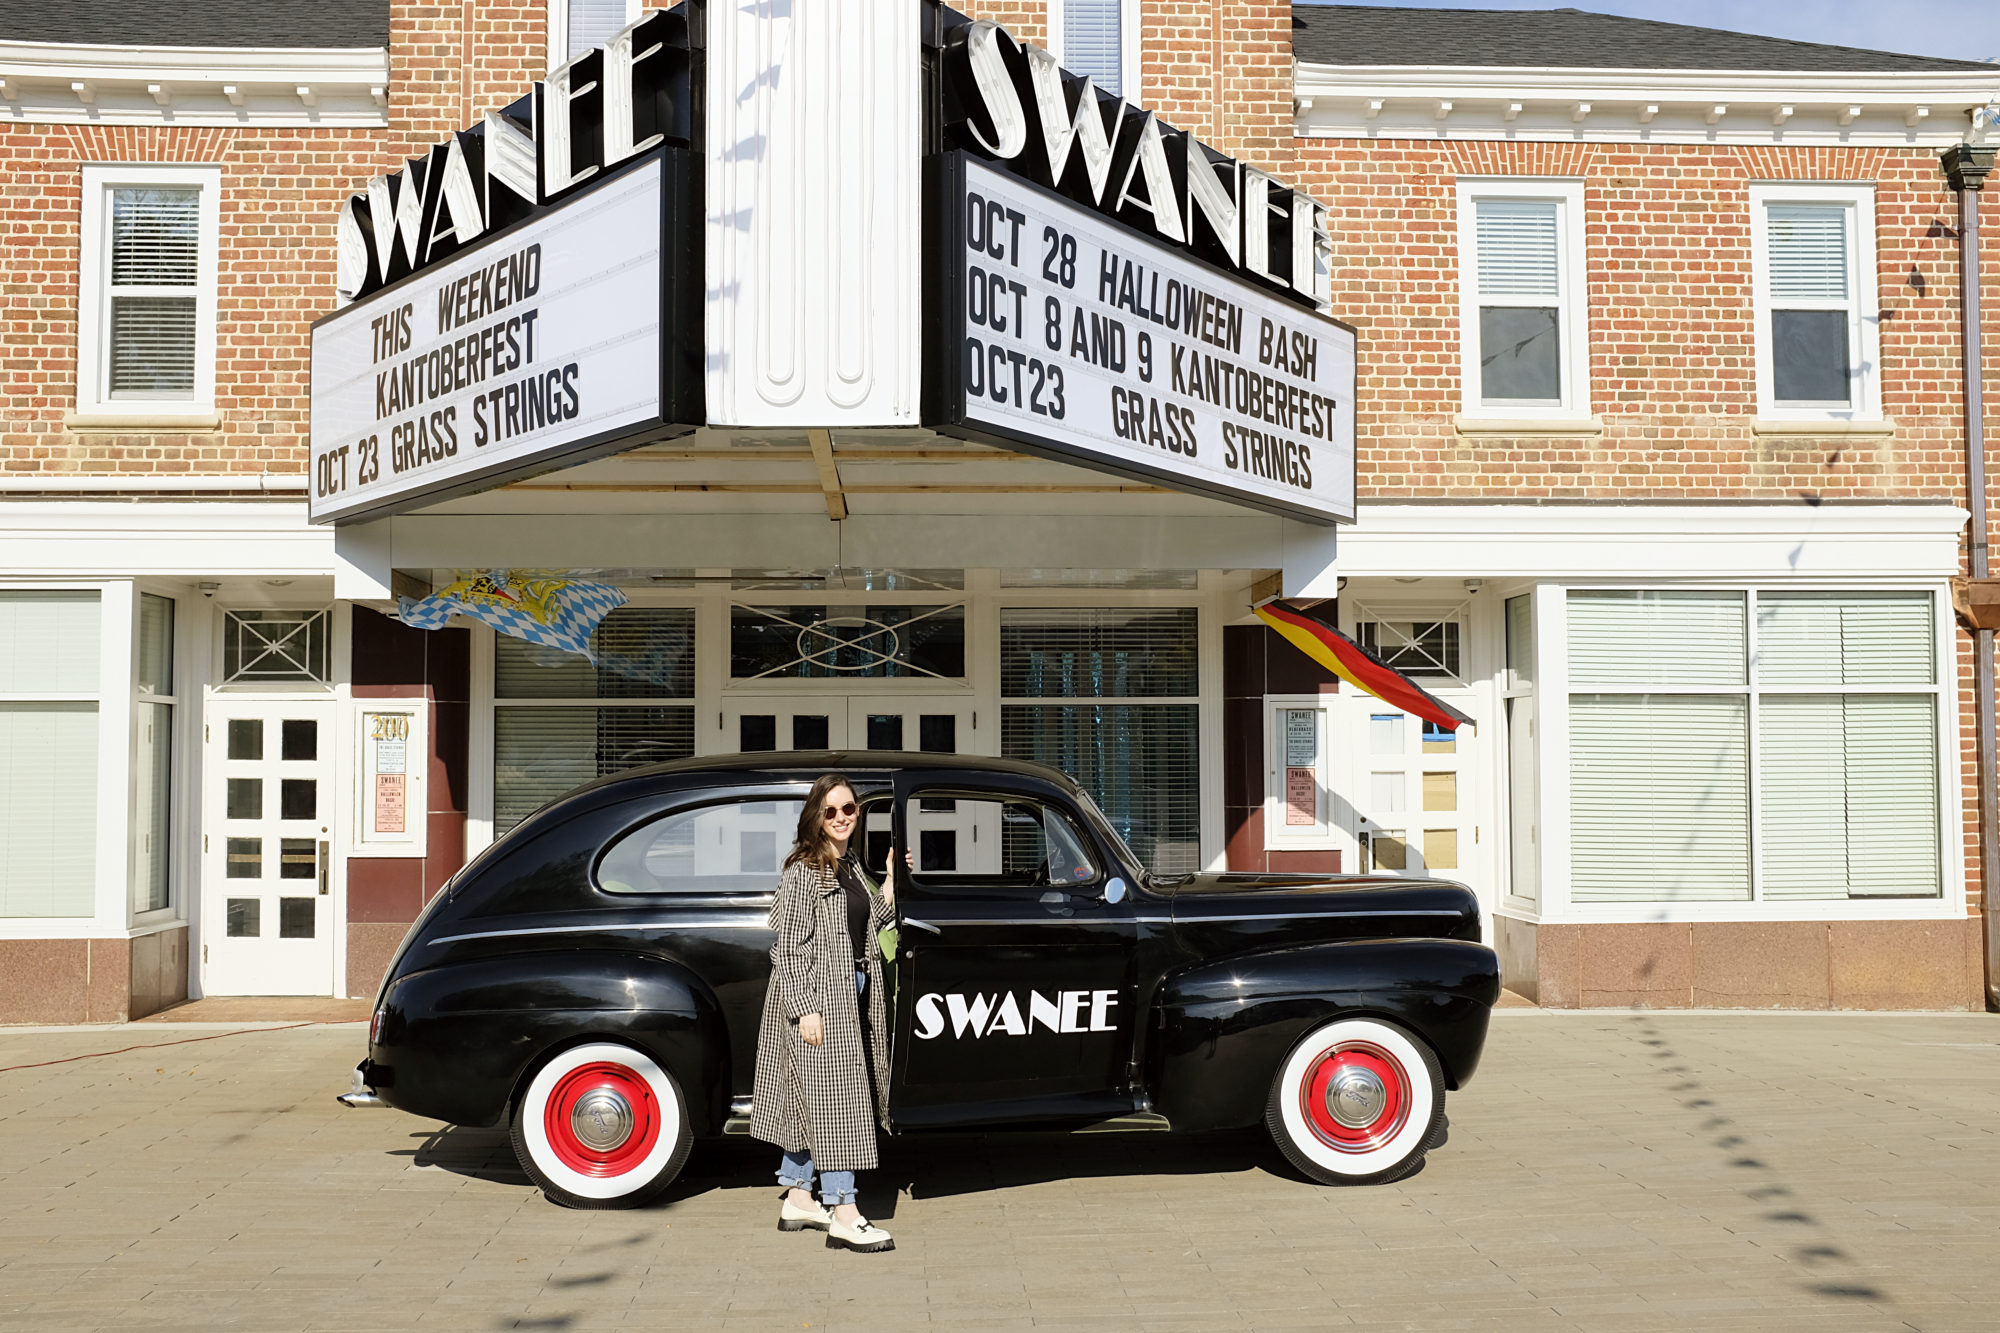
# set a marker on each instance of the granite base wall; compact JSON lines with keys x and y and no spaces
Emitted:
{"x":1882,"y":965}
{"x":92,"y":981}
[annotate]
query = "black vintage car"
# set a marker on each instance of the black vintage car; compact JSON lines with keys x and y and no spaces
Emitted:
{"x":595,"y":978}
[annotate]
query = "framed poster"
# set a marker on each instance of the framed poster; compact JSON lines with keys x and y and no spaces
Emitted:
{"x":392,"y":751}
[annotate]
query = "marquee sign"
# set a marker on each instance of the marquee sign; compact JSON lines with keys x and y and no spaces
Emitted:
{"x":550,"y":343}
{"x":1057,"y":332}
{"x":1015,"y":105}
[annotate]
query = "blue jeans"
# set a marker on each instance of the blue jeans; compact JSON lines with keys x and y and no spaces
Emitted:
{"x":796,"y":1170}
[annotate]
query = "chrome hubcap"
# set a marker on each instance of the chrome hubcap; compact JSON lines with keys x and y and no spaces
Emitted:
{"x":1356,"y":1098}
{"x":602,"y":1120}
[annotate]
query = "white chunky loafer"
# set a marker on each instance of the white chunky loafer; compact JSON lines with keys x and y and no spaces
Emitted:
{"x":791,"y":1217}
{"x":862,"y":1235}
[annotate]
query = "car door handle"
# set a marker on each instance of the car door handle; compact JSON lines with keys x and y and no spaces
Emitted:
{"x":921,"y":925}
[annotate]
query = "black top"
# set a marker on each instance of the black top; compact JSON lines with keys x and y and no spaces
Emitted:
{"x":857,"y":909}
{"x":1576,"y":39}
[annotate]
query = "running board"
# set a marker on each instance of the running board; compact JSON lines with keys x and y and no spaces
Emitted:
{"x":738,"y":1123}
{"x":1139,"y":1122}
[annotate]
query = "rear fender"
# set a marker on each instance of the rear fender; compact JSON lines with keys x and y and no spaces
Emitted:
{"x":1226,"y":1025}
{"x":462,"y":1038}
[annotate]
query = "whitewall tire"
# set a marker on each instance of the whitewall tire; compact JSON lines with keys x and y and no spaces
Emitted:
{"x":601,"y":1126}
{"x":1356,"y":1102}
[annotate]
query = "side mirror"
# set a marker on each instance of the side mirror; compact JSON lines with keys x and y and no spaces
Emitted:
{"x":1114,"y":892}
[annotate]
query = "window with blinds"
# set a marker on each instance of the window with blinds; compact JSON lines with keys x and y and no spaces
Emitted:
{"x":1814,"y":329}
{"x":1518,"y":277}
{"x":1093,"y":37}
{"x":1109,"y":695}
{"x":154,"y":292}
{"x":591,"y":23}
{"x":1850,"y":772}
{"x":587,"y":719}
{"x":49,"y":679}
{"x":1835,"y":694}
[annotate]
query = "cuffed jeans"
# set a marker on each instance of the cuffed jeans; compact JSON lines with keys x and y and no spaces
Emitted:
{"x":835,"y":1187}
{"x":796,"y":1170}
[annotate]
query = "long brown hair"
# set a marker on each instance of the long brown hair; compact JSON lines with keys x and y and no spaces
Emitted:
{"x":812,"y":844}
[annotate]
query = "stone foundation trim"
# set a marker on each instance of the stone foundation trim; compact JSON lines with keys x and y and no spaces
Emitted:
{"x":1573,"y":427}
{"x":1876,"y":965}
{"x":1884,"y":429}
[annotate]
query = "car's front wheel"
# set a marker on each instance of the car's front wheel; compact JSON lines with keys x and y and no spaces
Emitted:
{"x":601,"y":1125}
{"x":1356,"y":1102}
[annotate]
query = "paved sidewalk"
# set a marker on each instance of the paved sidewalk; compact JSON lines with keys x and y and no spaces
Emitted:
{"x":1605,"y":1171}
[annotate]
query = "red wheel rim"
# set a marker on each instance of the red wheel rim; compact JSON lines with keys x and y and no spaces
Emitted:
{"x":600,"y":1089}
{"x":1356,"y":1097}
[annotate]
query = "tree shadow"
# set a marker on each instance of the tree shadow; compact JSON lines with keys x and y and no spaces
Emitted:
{"x":1805,"y":1239}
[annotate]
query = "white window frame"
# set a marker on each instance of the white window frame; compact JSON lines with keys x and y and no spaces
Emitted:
{"x":176,"y":699}
{"x":111,"y":898}
{"x":1128,"y":44}
{"x":1864,"y":324}
{"x":1553,"y":686}
{"x":93,"y":334}
{"x":1573,"y":304}
{"x":558,"y":26}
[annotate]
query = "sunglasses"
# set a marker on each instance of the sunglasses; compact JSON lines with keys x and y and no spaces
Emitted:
{"x":839,"y":811}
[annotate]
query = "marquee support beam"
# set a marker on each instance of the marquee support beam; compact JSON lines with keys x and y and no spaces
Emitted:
{"x":829,"y":475}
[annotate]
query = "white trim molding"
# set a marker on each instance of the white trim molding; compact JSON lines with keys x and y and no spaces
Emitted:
{"x":1859,"y":544}
{"x":1931,"y":108}
{"x":95,"y":291}
{"x":1572,"y":301}
{"x":1862,"y":304}
{"x":64,"y":83}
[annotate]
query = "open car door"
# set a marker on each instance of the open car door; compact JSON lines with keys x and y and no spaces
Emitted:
{"x":1015,"y":992}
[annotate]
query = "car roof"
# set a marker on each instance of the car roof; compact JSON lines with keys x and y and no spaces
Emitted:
{"x":806,"y":765}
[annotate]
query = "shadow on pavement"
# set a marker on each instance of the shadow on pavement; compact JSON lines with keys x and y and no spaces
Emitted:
{"x":931,"y":1166}
{"x":1810,"y":1243}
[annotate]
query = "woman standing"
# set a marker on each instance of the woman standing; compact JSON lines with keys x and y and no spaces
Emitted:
{"x":822,"y":1052}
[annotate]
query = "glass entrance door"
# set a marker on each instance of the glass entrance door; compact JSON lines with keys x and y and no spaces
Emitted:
{"x":267,"y":847}
{"x":785,"y":723}
{"x":1410,"y":783}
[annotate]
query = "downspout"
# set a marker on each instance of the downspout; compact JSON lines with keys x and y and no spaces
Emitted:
{"x":1966,"y":166}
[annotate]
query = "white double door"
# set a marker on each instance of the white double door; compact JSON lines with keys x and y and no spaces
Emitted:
{"x":939,"y":724}
{"x":1413,"y":790}
{"x":268,"y":915}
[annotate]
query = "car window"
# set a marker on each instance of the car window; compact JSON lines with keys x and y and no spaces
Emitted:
{"x":728,"y":847}
{"x":1011,"y":840}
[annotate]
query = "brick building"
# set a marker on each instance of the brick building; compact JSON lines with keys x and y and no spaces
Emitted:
{"x":1660,"y":459}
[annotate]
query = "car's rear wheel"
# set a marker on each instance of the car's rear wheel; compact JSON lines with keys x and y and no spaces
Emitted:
{"x":1356,"y":1103}
{"x":601,"y":1126}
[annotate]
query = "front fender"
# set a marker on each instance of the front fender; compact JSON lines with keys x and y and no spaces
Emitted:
{"x":458,"y":1040}
{"x":1224,"y":1026}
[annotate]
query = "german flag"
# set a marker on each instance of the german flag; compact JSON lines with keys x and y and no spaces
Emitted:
{"x":1354,"y":664}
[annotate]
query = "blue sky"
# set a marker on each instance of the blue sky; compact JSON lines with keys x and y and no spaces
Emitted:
{"x":1961,"y":29}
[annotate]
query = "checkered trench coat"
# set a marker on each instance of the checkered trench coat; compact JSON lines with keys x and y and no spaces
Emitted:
{"x":817,"y":1098}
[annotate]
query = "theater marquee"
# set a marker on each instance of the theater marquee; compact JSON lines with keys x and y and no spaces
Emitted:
{"x":1058,"y":332}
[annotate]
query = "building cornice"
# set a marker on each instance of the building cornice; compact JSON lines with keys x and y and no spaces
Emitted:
{"x":49,"y":83}
{"x":1930,"y":108}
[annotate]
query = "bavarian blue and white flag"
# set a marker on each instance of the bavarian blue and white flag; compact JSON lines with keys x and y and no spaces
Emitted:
{"x":540,"y":608}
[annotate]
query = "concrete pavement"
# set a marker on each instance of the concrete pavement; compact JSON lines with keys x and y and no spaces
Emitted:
{"x":1605,"y":1170}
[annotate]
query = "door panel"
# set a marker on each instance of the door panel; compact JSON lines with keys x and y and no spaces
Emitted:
{"x":267,"y":875}
{"x":784,"y":723}
{"x":1015,"y":995}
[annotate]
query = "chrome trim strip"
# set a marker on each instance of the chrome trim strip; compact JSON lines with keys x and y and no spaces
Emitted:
{"x":609,"y":928}
{"x":725,"y":923}
{"x":1219,"y":919}
{"x":1305,"y":916}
